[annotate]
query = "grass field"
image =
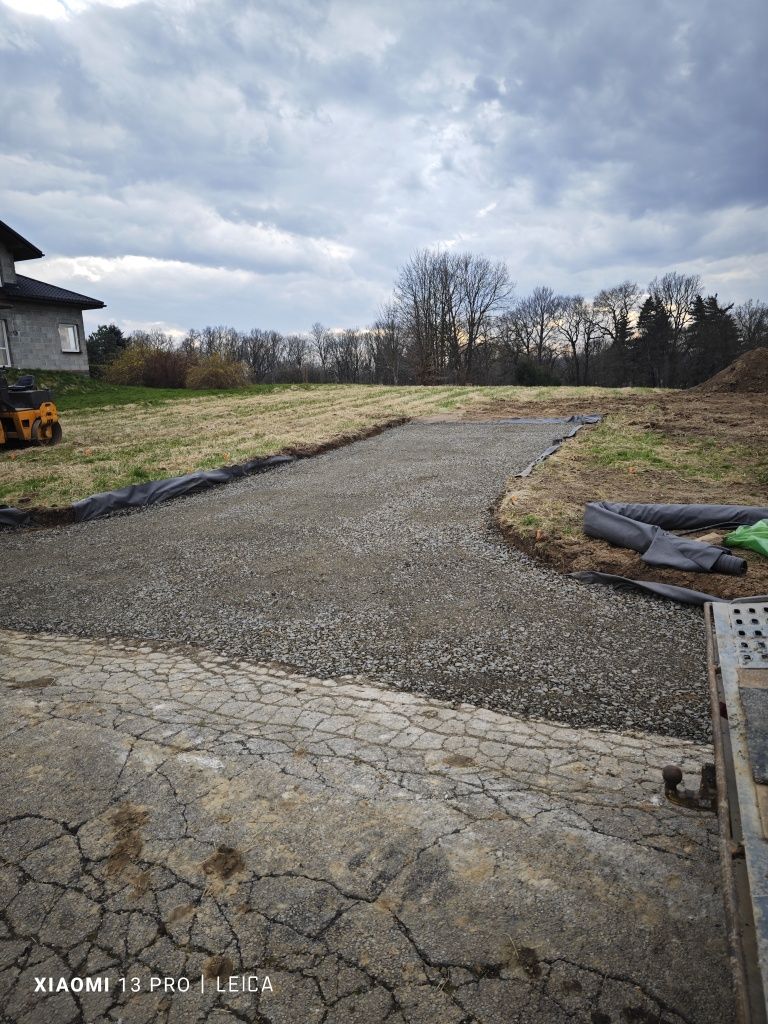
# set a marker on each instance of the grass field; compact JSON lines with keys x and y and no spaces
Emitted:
{"x":115,"y":436}
{"x":76,"y":391}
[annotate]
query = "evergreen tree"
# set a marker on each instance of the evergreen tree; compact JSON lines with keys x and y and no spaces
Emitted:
{"x":104,"y":344}
{"x":712,"y":339}
{"x":619,"y":358}
{"x":652,"y":343}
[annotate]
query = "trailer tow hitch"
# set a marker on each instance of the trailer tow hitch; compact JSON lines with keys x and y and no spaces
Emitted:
{"x":705,"y":799}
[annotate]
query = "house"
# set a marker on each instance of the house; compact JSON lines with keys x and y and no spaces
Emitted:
{"x":41,"y":325}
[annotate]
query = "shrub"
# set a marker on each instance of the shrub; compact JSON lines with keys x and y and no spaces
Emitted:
{"x":530,"y":373}
{"x":126,"y":368}
{"x":165,"y":368}
{"x":151,"y":362}
{"x":216,"y":372}
{"x":104,"y":345}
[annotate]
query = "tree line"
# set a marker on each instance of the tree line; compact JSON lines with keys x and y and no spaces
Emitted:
{"x":455,"y":318}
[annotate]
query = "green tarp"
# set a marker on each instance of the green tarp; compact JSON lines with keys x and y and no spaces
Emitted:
{"x":754,"y":537}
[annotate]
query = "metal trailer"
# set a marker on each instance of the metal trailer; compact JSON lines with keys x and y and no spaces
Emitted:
{"x":737,"y":644}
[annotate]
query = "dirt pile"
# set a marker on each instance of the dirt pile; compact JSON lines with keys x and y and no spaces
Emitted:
{"x":748,"y":373}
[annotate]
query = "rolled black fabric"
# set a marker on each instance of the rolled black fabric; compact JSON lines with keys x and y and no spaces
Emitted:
{"x":644,"y":528}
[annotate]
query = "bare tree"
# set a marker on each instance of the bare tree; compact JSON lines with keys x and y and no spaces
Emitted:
{"x":347,"y":355}
{"x":322,"y":342}
{"x":485,"y":363}
{"x":519,"y":332}
{"x":220,"y":340}
{"x":424,"y":294}
{"x":508,"y":339}
{"x":296,"y":346}
{"x":614,"y":309}
{"x":752,"y":322}
{"x":580,"y":330}
{"x":262,"y":352}
{"x":388,"y":342}
{"x":536,"y":319}
{"x":449,"y":326}
{"x":154,"y":338}
{"x":675,"y":293}
{"x":484,"y":288}
{"x":190,"y":344}
{"x":445,"y":302}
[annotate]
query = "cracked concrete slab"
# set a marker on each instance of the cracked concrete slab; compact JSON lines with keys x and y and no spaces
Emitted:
{"x":170,"y":813}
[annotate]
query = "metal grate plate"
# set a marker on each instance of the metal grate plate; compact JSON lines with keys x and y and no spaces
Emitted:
{"x":740,"y":709}
{"x":749,"y":623}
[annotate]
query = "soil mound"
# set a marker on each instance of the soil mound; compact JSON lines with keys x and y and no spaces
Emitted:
{"x":748,"y":373}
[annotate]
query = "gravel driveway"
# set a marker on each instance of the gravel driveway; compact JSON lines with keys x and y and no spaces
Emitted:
{"x":378,"y":559}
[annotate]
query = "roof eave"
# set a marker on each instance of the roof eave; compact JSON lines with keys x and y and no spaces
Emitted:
{"x":9,"y":301}
{"x":19,"y":247}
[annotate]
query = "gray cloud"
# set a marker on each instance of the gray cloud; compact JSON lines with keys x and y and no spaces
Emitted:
{"x":274,"y":165}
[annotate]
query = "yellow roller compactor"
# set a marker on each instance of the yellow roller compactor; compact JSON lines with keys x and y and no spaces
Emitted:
{"x":27,"y":413}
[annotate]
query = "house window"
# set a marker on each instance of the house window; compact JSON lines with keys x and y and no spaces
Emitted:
{"x":5,"y":348}
{"x":70,"y":342}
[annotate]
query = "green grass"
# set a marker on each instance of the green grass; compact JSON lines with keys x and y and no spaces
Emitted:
{"x":77,"y":391}
{"x":610,"y":446}
{"x":617,"y":446}
{"x":531,"y":520}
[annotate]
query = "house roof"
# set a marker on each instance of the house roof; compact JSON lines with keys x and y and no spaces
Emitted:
{"x":17,"y":246}
{"x":26,"y":289}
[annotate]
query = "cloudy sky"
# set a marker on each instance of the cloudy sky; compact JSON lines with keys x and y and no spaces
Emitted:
{"x":195,"y":162}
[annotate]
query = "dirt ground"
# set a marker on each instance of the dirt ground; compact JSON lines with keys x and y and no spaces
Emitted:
{"x":748,"y":373}
{"x":688,"y":446}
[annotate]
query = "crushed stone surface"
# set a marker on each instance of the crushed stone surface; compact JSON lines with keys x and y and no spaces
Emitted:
{"x":381,"y":560}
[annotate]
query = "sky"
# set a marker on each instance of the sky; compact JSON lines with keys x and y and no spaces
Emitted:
{"x":194,"y":162}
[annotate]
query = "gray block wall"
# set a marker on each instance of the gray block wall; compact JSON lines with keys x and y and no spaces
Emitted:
{"x":33,"y":333}
{"x":7,"y":267}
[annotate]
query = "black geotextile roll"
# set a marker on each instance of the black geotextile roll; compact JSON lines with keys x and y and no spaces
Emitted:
{"x":644,"y":528}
